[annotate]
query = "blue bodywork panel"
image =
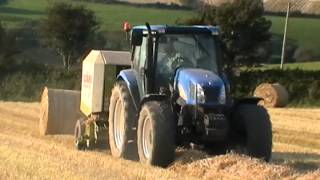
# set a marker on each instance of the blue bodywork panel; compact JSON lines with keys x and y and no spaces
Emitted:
{"x":226,"y":83}
{"x":187,"y":80}
{"x":129,"y":76}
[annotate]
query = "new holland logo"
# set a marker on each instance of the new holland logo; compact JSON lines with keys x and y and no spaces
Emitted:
{"x":87,"y":80}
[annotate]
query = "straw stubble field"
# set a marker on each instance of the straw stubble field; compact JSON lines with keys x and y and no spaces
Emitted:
{"x":24,"y":154}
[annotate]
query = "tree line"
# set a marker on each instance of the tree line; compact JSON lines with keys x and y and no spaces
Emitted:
{"x":70,"y":30}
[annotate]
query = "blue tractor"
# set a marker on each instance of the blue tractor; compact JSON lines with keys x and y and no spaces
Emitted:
{"x":176,"y":93}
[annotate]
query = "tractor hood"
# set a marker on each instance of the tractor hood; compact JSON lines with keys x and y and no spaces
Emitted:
{"x":200,"y":87}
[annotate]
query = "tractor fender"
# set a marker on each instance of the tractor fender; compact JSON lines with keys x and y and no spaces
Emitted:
{"x":129,"y":77}
{"x":226,"y":81}
{"x":153,"y":97}
{"x":242,"y":101}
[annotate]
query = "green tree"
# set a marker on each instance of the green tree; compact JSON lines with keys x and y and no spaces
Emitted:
{"x":244,"y":30}
{"x":2,"y":35}
{"x":8,"y":45}
{"x":69,"y":30}
{"x":3,"y":2}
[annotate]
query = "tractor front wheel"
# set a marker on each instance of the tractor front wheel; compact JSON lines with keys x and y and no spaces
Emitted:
{"x":252,"y":122}
{"x":156,"y":134}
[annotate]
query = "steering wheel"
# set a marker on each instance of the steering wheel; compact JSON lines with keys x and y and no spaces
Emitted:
{"x":202,"y":62}
{"x":181,"y":61}
{"x":169,"y":70}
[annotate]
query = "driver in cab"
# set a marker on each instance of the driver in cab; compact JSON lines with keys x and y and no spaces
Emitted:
{"x":169,"y":59}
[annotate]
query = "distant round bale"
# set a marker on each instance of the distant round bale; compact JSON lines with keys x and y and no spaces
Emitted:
{"x":274,"y":95}
{"x":59,"y":111}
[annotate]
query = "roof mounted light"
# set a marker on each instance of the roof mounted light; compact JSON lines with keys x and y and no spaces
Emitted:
{"x":126,"y":26}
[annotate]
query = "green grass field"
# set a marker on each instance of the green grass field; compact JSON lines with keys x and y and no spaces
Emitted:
{"x":304,"y":31}
{"x":110,"y":16}
{"x":310,"y":66}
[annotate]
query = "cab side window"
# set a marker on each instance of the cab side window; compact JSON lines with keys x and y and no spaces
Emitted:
{"x":140,"y":56}
{"x":143,"y":53}
{"x":139,"y":64}
{"x":136,"y":57}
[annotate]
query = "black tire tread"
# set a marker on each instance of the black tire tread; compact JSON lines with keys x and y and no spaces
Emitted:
{"x":164,"y":133}
{"x":258,"y":129}
{"x":129,"y":150}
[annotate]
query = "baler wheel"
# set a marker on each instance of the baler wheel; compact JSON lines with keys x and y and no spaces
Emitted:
{"x":79,"y":140}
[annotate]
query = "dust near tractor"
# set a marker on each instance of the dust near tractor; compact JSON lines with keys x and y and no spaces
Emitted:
{"x":171,"y":91}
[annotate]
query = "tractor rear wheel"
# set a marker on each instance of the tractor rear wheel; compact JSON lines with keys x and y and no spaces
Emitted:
{"x":122,"y":123}
{"x":156,"y":134}
{"x":253,"y":123}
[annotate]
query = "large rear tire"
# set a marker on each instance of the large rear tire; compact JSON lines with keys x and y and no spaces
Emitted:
{"x":122,"y":123}
{"x":156,"y":134}
{"x":252,"y":122}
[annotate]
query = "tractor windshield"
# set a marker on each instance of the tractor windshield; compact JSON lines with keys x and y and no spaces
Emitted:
{"x":186,"y":50}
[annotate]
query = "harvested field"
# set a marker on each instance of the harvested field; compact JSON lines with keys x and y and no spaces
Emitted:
{"x":24,"y":154}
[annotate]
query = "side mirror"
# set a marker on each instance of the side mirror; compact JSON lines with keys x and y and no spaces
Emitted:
{"x":136,"y":37}
{"x":126,"y":26}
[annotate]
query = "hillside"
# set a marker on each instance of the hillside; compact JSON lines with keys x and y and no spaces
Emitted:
{"x":26,"y":155}
{"x":111,"y":16}
{"x":303,"y":6}
{"x":20,"y":13}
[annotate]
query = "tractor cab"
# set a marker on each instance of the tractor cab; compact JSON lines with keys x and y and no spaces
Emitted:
{"x":167,"y":57}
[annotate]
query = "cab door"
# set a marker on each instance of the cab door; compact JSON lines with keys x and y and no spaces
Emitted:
{"x":139,"y":66}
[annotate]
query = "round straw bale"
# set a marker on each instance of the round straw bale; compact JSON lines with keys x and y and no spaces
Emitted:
{"x":59,"y":111}
{"x":274,"y":95}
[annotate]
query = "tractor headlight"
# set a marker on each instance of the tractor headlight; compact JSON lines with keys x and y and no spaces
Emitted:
{"x":200,"y":95}
{"x":222,"y":97}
